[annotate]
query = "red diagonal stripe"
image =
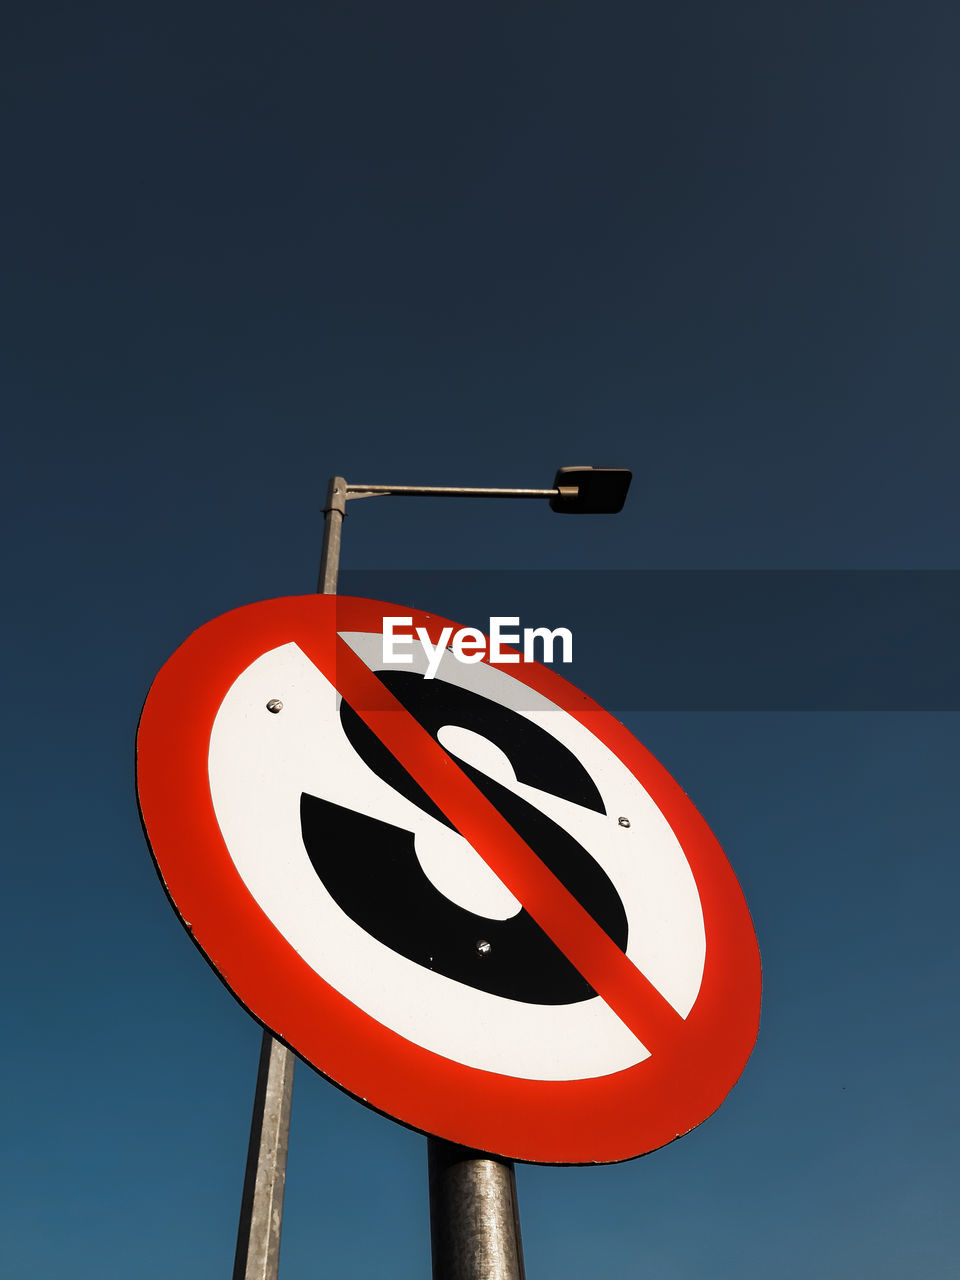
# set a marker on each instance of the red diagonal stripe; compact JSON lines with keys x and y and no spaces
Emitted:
{"x":634,"y":999}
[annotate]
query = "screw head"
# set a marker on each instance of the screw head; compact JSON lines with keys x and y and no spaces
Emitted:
{"x":274,"y":705}
{"x":623,"y":822}
{"x":483,"y":948}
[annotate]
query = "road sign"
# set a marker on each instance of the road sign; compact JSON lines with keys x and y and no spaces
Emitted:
{"x":475,"y":902}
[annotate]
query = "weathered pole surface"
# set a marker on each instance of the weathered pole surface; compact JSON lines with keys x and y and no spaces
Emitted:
{"x":474,"y":1221}
{"x":261,"y":1208}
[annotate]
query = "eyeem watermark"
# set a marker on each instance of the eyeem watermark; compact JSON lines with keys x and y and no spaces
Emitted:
{"x":470,"y":645}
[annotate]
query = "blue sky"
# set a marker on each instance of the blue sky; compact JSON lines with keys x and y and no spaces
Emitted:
{"x":247,"y":248}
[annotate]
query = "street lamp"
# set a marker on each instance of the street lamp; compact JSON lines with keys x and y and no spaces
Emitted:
{"x":474,"y":1225}
{"x":575,"y":491}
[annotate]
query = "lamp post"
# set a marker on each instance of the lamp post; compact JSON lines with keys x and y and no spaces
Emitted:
{"x":474,"y":1224}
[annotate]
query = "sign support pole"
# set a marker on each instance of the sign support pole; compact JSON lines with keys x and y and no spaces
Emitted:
{"x":474,"y":1221}
{"x":261,"y":1206}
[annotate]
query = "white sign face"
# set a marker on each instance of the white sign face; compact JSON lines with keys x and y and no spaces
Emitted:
{"x":461,"y":890}
{"x":260,"y":767}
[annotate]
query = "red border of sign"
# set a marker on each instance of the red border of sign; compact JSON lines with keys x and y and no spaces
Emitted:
{"x":694,"y":1063}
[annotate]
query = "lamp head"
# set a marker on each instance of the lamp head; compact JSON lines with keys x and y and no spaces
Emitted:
{"x":598,"y":490}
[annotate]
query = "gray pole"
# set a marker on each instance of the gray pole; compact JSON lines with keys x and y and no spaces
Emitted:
{"x":333,"y":512}
{"x":474,"y":1221}
{"x":261,"y":1207}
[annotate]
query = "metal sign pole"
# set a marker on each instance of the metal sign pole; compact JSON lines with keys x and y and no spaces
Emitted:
{"x":261,"y":1206}
{"x":474,"y":1221}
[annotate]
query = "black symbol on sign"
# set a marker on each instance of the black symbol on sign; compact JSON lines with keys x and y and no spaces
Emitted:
{"x":371,"y":870}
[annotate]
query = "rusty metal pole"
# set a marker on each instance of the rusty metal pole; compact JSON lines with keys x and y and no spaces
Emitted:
{"x":261,"y":1207}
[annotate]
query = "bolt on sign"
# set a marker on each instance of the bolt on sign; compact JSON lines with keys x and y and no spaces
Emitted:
{"x":475,"y":901}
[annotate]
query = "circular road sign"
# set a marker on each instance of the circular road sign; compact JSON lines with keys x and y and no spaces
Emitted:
{"x":473,"y":900}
